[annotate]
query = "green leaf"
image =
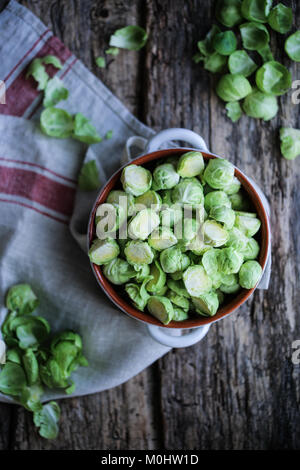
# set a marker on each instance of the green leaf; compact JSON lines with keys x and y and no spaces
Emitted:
{"x":84,"y":130}
{"x":89,"y":177}
{"x":56,"y":122}
{"x":233,"y":87}
{"x":266,"y":53}
{"x":256,"y":10}
{"x":273,"y":78}
{"x":47,"y":420}
{"x":30,"y":397}
{"x":281,"y":18}
{"x":30,"y":331}
{"x":290,"y":142}
{"x":37,"y":70}
{"x":225,"y":42}
{"x":205,"y":46}
{"x":112,"y":51}
{"x":228,"y":12}
{"x":109,"y":134}
{"x":130,"y":37}
{"x":14,"y":355}
{"x":234,"y":110}
{"x":292,"y":46}
{"x":54,"y":92}
{"x":31,"y":367}
{"x":12,"y":379}
{"x":53,"y":60}
{"x":240,"y":62}
{"x":198,"y":57}
{"x":215,"y":63}
{"x":100,"y":62}
{"x":22,"y":299}
{"x":255,"y":36}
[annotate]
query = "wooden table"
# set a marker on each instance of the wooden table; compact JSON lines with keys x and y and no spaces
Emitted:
{"x":238,"y":388}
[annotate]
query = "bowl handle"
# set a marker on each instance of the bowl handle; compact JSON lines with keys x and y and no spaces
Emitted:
{"x":176,"y":133}
{"x":177,"y":338}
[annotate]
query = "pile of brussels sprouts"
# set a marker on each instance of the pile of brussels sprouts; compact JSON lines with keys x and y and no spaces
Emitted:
{"x":250,"y":71}
{"x":179,"y":238}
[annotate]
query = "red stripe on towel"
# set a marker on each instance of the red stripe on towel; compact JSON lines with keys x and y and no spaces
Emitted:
{"x":18,"y":203}
{"x":37,"y":188}
{"x":22,"y":92}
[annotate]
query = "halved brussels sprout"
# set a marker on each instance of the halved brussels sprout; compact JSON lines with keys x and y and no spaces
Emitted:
{"x":196,"y":281}
{"x":197,"y":245}
{"x":179,"y":314}
{"x":178,"y":287}
{"x":118,"y":271}
{"x":142,"y":224}
{"x":138,"y":294}
{"x":250,"y":273}
{"x":223,"y":214}
{"x":214,"y":234}
{"x":138,"y":252}
{"x":136,"y":180}
{"x":173,"y":260}
{"x":161,"y":308}
{"x":206,"y":304}
{"x":252,"y":249}
{"x":150,"y":199}
{"x":190,"y":164}
{"x":103,"y":251}
{"x":230,"y":284}
{"x":162,"y":238}
{"x":118,"y":197}
{"x":162,"y":291}
{"x":165,"y":177}
{"x":233,"y":187}
{"x":189,"y":191}
{"x":158,"y":280}
{"x":108,"y":218}
{"x":210,"y":261}
{"x":142,"y":272}
{"x":229,"y":261}
{"x":219,"y":173}
{"x":237,"y":240}
{"x":178,"y":300}
{"x":248,"y":225}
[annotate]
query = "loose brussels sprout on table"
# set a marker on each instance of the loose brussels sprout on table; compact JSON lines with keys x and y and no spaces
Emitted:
{"x":185,"y":237}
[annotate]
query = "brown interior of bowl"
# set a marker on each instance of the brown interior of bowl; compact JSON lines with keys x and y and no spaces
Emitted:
{"x":113,"y":292}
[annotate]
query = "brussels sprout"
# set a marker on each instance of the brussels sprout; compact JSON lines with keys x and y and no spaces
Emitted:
{"x":239,"y":201}
{"x":256,"y":10}
{"x":196,"y":281}
{"x":178,"y":287}
{"x":281,"y":18}
{"x":225,"y":42}
{"x":143,"y":224}
{"x":206,"y":304}
{"x":108,"y":218}
{"x":230,"y":284}
{"x":261,"y":106}
{"x":214,"y":234}
{"x":136,"y":180}
{"x":210,"y":261}
{"x":219,"y":173}
{"x":205,"y":46}
{"x":255,"y":36}
{"x":190,"y":164}
{"x":138,"y":252}
{"x":246,"y":214}
{"x":215,"y":63}
{"x":234,"y":110}
{"x":273,"y":78}
{"x":162,"y":238}
{"x":142,"y":272}
{"x":189,"y":192}
{"x":150,"y":199}
{"x":158,"y":280}
{"x":179,"y":314}
{"x":216,"y":279}
{"x":188,"y":231}
{"x":221,"y":296}
{"x":116,"y":197}
{"x":292,"y":46}
{"x":138,"y":294}
{"x":248,"y":225}
{"x":250,"y":273}
{"x":290,"y":142}
{"x":173,"y":260}
{"x":232,"y":188}
{"x":161,"y":308}
{"x":103,"y":251}
{"x":228,"y":12}
{"x":229,"y":261}
{"x":252,"y":249}
{"x":162,"y":291}
{"x":237,"y":240}
{"x":118,"y":271}
{"x":171,"y":215}
{"x":215,"y":199}
{"x":197,"y":246}
{"x":233,"y":87}
{"x":178,"y":300}
{"x":165,"y":177}
{"x":223,"y":214}
{"x":240,"y":62}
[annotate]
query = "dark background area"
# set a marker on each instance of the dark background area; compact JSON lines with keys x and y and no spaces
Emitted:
{"x":238,"y":388}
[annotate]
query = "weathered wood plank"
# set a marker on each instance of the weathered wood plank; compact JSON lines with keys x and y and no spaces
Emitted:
{"x":238,"y":388}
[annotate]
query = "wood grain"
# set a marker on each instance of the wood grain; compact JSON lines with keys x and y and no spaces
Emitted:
{"x":238,"y":388}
